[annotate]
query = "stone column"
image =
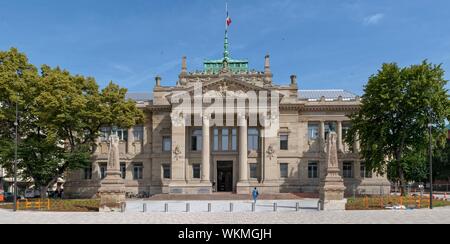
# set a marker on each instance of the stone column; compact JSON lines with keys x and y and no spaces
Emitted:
{"x":178,"y":181}
{"x":243,"y":186}
{"x":357,"y":146}
{"x":322,"y":135}
{"x":206,"y":154}
{"x":130,"y":141}
{"x":339,"y":135}
{"x":243,"y":150}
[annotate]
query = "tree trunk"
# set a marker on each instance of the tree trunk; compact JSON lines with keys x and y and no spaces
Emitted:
{"x":401,"y":177}
{"x":43,"y":190}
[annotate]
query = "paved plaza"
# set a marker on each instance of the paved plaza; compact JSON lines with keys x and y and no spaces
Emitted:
{"x":220,"y":214}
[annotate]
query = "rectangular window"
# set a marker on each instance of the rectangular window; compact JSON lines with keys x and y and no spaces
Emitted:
{"x":197,"y":140}
{"x":105,"y":132}
{"x":166,"y":171}
{"x":234,"y":140}
{"x":345,"y":129}
{"x":138,"y":133}
{"x":313,"y":131}
{"x":103,"y":168}
{"x":253,"y":171}
{"x":88,"y":173}
{"x":284,"y":142}
{"x":225,"y":139}
{"x":330,"y":127}
{"x":284,"y":170}
{"x":365,"y":173}
{"x":196,"y":171}
{"x":167,"y":144}
{"x":313,"y":170}
{"x":216,"y":140}
{"x":253,"y":139}
{"x":347,"y":170}
{"x":122,"y":134}
{"x":123,"y":170}
{"x":138,"y":171}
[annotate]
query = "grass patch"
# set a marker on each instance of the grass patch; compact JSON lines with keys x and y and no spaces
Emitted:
{"x":380,"y":203}
{"x":84,"y":205}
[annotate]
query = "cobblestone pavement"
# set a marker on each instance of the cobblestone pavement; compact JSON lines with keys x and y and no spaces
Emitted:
{"x":436,"y":216}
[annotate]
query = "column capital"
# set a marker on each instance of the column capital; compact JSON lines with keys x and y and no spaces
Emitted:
{"x":206,"y":117}
{"x":242,"y":120}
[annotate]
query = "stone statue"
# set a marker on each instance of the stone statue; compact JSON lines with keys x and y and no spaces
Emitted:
{"x":114,"y":154}
{"x":332,"y":187}
{"x":112,"y":190}
{"x":332,"y":157}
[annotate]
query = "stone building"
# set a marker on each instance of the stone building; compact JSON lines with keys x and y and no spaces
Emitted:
{"x":162,"y":156}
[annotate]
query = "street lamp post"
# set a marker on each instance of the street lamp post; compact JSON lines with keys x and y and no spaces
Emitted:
{"x":16,"y":124}
{"x":430,"y":126}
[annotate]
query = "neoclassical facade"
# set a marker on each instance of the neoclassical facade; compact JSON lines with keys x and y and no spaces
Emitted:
{"x":171,"y":156}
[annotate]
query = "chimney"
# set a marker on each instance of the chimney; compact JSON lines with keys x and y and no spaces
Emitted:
{"x":293,"y":80}
{"x":158,"y":81}
{"x":184,"y":65}
{"x":267,"y":64}
{"x":267,"y":73}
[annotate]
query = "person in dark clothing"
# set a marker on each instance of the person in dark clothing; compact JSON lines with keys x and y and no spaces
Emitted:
{"x":255,"y":194}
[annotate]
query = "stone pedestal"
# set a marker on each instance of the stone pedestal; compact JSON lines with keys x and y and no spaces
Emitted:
{"x":112,"y":193}
{"x":332,"y":186}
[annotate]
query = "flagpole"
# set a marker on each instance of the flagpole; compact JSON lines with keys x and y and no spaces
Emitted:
{"x":226,"y":54}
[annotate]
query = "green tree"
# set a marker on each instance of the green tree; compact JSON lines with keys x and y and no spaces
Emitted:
{"x":441,"y":163}
{"x":392,"y":123}
{"x":61,"y":115}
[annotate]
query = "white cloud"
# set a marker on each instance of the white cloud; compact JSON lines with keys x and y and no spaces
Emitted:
{"x":123,"y":68}
{"x":373,"y":19}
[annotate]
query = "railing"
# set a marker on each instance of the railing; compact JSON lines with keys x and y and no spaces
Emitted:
{"x":388,"y":202}
{"x":38,"y":204}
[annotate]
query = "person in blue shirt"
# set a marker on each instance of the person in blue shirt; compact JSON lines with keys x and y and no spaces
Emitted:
{"x":255,"y":194}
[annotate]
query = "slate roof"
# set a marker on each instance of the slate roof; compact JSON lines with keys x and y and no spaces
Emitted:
{"x":328,"y":94}
{"x":311,"y":95}
{"x":139,"y":97}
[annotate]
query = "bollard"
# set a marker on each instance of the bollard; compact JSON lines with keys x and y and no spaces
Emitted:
{"x":275,"y":207}
{"x":319,"y":204}
{"x":166,"y":207}
{"x":144,"y":207}
{"x":297,"y":207}
{"x":188,"y":207}
{"x":253,"y":207}
{"x":122,"y":207}
{"x":209,"y":207}
{"x":231,"y":207}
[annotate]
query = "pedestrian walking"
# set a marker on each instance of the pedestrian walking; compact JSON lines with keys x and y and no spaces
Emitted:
{"x":255,"y":194}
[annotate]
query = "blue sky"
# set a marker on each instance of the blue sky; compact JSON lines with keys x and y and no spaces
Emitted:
{"x":328,"y":44}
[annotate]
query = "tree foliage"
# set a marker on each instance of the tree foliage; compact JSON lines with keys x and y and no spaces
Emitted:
{"x":60,"y":117}
{"x":392,"y":124}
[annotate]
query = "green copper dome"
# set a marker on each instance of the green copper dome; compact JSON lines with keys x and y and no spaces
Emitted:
{"x":235,"y":66}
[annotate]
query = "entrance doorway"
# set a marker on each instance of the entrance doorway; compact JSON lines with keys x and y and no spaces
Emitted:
{"x":225,"y":176}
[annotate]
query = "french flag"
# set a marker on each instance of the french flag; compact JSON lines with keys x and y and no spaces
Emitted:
{"x":228,"y":20}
